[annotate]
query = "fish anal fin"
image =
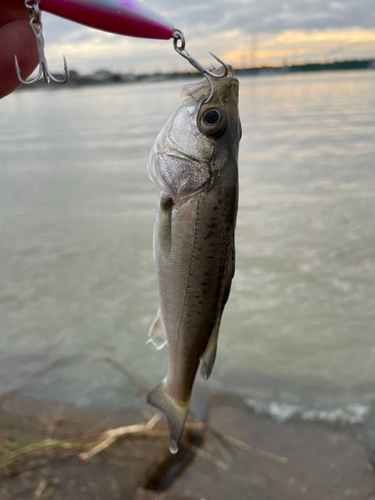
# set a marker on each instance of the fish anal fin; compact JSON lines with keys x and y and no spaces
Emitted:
{"x":157,"y":334}
{"x":228,"y":274}
{"x":153,"y":240}
{"x":209,"y":356}
{"x":174,"y":412}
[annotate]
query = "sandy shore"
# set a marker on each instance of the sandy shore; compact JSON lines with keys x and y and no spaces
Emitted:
{"x":292,"y":460}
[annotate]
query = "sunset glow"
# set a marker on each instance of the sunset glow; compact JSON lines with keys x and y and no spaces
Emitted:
{"x":297,"y":46}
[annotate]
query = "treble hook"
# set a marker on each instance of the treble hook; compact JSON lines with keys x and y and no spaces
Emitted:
{"x":180,"y":49}
{"x":33,"y":7}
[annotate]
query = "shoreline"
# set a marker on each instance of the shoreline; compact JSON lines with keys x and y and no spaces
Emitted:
{"x":322,"y":461}
{"x":105,"y":77}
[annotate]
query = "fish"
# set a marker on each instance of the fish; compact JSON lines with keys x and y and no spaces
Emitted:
{"x":194,"y":164}
{"x":131,"y":17}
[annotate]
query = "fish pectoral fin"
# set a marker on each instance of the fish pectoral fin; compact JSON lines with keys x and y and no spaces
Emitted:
{"x":209,"y":356}
{"x":157,"y":334}
{"x":174,"y":412}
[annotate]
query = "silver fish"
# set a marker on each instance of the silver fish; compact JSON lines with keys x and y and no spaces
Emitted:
{"x":194,"y":165}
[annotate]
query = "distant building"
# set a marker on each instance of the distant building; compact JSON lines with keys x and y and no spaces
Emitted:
{"x":102,"y":75}
{"x":128,"y":77}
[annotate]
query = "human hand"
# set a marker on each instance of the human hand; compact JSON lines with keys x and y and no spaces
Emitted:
{"x":16,"y":38}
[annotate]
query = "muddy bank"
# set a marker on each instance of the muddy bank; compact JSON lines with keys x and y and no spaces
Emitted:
{"x":292,"y":460}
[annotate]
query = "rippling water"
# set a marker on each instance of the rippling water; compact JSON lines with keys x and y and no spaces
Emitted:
{"x":77,"y":278}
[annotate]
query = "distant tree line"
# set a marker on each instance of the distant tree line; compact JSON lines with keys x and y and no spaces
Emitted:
{"x":104,"y":77}
{"x":356,"y":64}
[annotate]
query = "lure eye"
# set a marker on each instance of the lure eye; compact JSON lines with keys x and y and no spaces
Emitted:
{"x":211,"y":122}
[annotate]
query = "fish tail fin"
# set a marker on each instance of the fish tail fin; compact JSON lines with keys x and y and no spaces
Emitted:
{"x":175,"y":413}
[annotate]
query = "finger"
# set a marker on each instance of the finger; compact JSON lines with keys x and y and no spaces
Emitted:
{"x":16,"y":38}
{"x":12,"y":11}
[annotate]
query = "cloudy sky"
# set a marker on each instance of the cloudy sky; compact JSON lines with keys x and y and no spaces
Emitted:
{"x":243,"y":32}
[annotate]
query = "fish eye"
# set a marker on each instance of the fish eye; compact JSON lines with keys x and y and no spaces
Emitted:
{"x":212,"y":117}
{"x":212,"y":122}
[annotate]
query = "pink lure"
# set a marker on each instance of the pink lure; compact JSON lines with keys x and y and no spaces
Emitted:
{"x":123,"y":17}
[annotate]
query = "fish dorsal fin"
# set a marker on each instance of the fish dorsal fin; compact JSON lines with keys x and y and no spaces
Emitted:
{"x":157,"y":334}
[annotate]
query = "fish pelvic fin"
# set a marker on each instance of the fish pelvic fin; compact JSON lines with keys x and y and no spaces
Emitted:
{"x":174,"y":412}
{"x":157,"y":334}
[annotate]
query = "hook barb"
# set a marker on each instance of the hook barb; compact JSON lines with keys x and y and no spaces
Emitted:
{"x":211,"y":89}
{"x":26,"y":82}
{"x":225,"y":66}
{"x":66,"y":73}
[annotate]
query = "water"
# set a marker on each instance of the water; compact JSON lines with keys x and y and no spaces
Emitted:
{"x":77,"y":278}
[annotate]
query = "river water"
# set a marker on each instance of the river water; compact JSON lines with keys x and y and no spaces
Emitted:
{"x":77,"y":278}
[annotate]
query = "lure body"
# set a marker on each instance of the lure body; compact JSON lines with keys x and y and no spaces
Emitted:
{"x":123,"y":17}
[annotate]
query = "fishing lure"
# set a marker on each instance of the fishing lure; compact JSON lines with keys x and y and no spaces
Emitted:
{"x":122,"y":17}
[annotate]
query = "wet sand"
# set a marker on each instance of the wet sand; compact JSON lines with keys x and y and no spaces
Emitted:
{"x":306,"y":460}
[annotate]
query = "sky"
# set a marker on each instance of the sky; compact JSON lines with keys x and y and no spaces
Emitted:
{"x":242,"y":32}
